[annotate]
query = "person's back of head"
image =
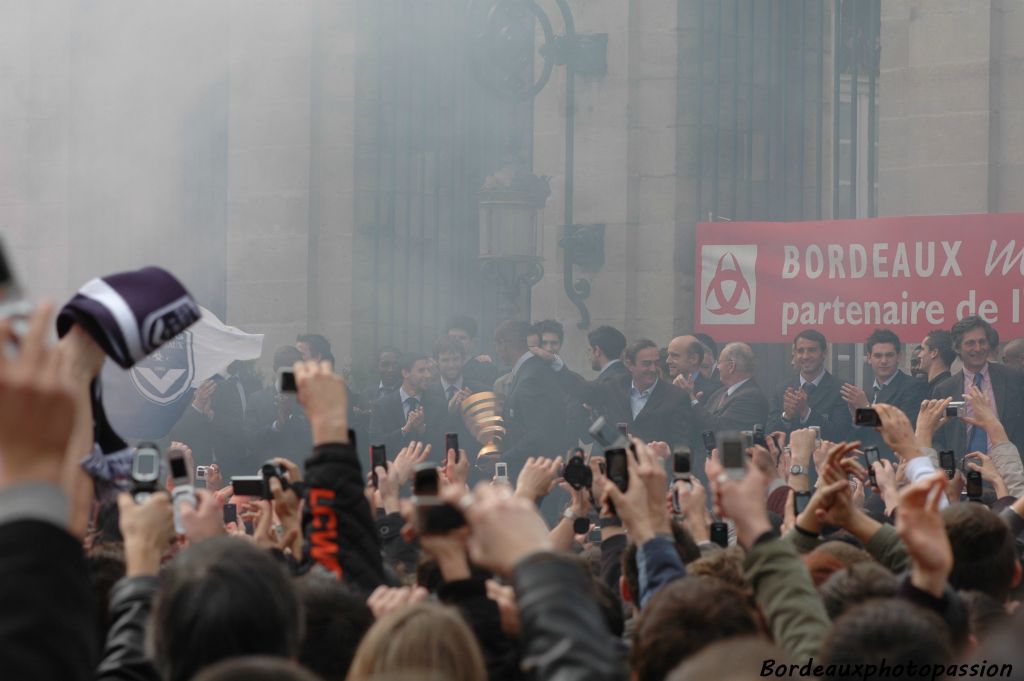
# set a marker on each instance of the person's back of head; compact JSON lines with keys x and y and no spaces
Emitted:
{"x":426,"y":641}
{"x":218,"y":599}
{"x":984,"y":613}
{"x":984,"y":557}
{"x":319,"y":346}
{"x":846,"y":553}
{"x":256,"y":668}
{"x":610,"y":341}
{"x":336,"y":620}
{"x":856,"y":584}
{"x":884,"y":629}
{"x":683,"y":618}
{"x":725,"y":564}
{"x":736,"y":659}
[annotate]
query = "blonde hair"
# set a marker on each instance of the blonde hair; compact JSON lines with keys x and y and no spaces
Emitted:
{"x":423,"y":641}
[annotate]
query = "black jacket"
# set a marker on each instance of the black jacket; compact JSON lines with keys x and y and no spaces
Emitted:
{"x":564,"y":636}
{"x":903,"y":392}
{"x":742,"y":410}
{"x":484,"y":618}
{"x":389,"y":417}
{"x":453,"y":422}
{"x":828,"y":410}
{"x":48,"y":627}
{"x":124,"y":656}
{"x":666,"y":416}
{"x":534,"y":415}
{"x":341,"y":534}
{"x":1007,"y":388}
{"x":706,"y":387}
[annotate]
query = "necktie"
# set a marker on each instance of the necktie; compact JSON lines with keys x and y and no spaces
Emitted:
{"x":979,"y":438}
{"x":411,"y":404}
{"x":450,"y":392}
{"x":875,"y":389}
{"x":808,"y":388}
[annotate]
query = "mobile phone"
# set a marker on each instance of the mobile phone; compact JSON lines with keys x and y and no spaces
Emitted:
{"x":800,"y":500}
{"x":947,"y":462}
{"x":145,"y":471}
{"x":720,"y":533}
{"x":870,"y":459}
{"x":595,"y":535}
{"x":709,"y":440}
{"x":184,"y":491}
{"x":451,"y":441}
{"x":681,"y":462}
{"x":867,"y":417}
{"x":272,"y":470}
{"x":955,"y":409}
{"x":501,"y":471}
{"x":758,"y":439}
{"x":230,"y":513}
{"x":425,"y":480}
{"x":817,"y":436}
{"x":618,"y":471}
{"x":623,"y":428}
{"x":973,"y":486}
{"x":201,"y":472}
{"x":249,"y":486}
{"x":286,"y":381}
{"x":378,"y":457}
{"x":734,"y":455}
{"x":604,"y":436}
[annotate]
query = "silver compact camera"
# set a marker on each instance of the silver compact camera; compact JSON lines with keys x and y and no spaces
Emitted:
{"x":955,"y":409}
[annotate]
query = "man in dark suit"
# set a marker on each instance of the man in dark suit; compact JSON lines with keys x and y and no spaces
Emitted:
{"x":708,"y":381}
{"x":973,"y":339}
{"x":411,"y":413}
{"x":739,"y":404}
{"x":604,"y":351}
{"x":534,"y":407}
{"x":812,"y":398}
{"x":478,"y":368}
{"x":451,"y":387}
{"x":654,"y":410}
{"x":937,"y":355}
{"x":883,"y":351}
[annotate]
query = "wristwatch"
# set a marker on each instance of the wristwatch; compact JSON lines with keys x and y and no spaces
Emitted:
{"x":797,"y":469}
{"x":569,"y":514}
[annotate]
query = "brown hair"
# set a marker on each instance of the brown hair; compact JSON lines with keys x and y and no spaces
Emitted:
{"x":427,"y":640}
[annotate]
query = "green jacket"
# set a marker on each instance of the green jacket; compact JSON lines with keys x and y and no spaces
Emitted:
{"x":885,"y":546}
{"x":787,"y":597}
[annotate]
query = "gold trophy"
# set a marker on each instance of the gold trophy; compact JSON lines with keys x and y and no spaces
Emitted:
{"x":481,"y":412}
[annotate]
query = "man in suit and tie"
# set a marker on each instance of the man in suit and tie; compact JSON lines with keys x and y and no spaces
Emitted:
{"x":411,"y":412}
{"x":890,"y":385}
{"x":534,"y":406}
{"x":812,"y":398}
{"x":973,"y":339}
{"x":452,"y":387}
{"x":739,"y":404}
{"x":654,"y":410}
{"x":937,"y":355}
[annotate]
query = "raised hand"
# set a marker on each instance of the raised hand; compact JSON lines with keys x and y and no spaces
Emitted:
{"x":408,"y":458}
{"x":930,"y":418}
{"x":920,"y":525}
{"x":385,"y":599}
{"x":537,"y":478}
{"x":503,"y":529}
{"x":148,"y":530}
{"x":897,"y":431}
{"x":854,"y":396}
{"x":204,"y":521}
{"x":323,"y":395}
{"x":976,"y":461}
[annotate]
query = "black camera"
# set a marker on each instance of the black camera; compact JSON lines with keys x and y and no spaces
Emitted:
{"x":577,"y":473}
{"x":867,"y":417}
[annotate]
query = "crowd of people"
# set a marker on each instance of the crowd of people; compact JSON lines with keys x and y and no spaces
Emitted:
{"x":596,"y":556}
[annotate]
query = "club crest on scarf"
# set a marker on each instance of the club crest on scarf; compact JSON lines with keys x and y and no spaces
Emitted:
{"x":166,"y":374}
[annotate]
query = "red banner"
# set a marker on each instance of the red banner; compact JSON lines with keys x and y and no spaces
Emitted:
{"x":766,"y":281}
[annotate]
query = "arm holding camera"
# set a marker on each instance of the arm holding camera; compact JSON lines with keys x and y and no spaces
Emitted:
{"x":1004,"y":454}
{"x":562,"y":631}
{"x":579,"y":507}
{"x":802,"y":444}
{"x":930,"y":418}
{"x":148,"y":531}
{"x":45,"y":587}
{"x":537,"y":478}
{"x":644,"y":515}
{"x":342,"y":535}
{"x":781,"y":583}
